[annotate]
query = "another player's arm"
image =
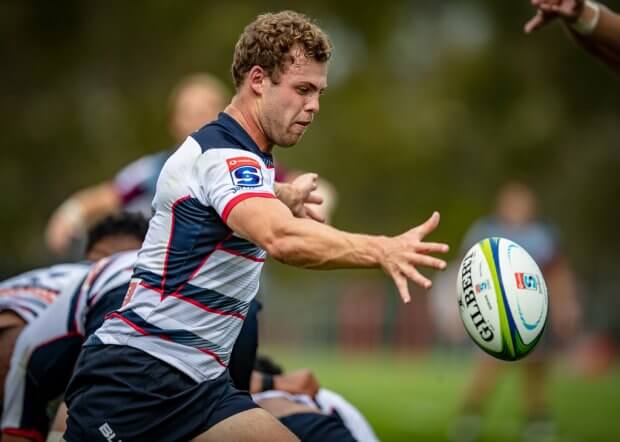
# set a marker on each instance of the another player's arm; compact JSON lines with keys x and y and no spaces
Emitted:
{"x":593,"y":26}
{"x":302,"y":381}
{"x":604,"y":41}
{"x":305,"y":243}
{"x":80,"y":211}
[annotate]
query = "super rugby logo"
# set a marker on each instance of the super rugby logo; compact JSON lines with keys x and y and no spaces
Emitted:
{"x":527,"y":281}
{"x":245,"y":172}
{"x":470,"y":302}
{"x":481,"y":287}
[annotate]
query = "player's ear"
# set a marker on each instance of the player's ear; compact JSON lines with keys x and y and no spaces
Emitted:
{"x":256,"y":79}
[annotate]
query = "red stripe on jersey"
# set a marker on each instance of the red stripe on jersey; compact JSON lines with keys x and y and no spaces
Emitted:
{"x":129,"y":323}
{"x":206,"y":308}
{"x":244,"y":196}
{"x":236,"y":253}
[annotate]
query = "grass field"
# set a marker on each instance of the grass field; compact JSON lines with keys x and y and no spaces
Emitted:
{"x":409,"y":398}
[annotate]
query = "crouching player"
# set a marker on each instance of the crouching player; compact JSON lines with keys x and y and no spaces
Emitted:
{"x":26,"y":296}
{"x":48,"y":300}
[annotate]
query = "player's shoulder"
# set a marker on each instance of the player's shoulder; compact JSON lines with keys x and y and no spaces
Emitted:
{"x":223,"y":133}
{"x":226,"y":137}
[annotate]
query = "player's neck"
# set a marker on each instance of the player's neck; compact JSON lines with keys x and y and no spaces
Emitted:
{"x":242,"y":113}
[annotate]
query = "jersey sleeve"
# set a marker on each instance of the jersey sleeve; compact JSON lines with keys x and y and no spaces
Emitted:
{"x":229,"y":176}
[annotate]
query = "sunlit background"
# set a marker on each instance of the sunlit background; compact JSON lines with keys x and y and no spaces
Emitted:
{"x":432,"y":105}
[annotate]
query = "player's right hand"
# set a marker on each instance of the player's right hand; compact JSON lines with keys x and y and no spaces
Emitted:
{"x":405,"y":252}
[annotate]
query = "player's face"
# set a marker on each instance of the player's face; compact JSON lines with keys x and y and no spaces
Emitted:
{"x":195,"y":106}
{"x":288,"y":107}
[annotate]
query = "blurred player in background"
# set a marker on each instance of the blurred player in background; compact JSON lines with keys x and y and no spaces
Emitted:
{"x":592,"y":25}
{"x":516,"y":218}
{"x":195,"y":101}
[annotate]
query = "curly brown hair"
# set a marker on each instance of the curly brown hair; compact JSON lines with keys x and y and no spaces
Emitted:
{"x":268,"y":40}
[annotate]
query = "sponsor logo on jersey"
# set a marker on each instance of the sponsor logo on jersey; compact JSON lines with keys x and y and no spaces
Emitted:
{"x":527,"y":281}
{"x":245,"y":172}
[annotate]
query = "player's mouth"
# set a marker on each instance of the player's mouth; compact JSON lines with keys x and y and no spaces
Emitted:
{"x":303,"y":123}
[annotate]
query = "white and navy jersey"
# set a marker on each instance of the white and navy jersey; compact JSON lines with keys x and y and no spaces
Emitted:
{"x":135,"y":183}
{"x":47,"y":349}
{"x":30,"y":293}
{"x":195,"y":278}
{"x":538,"y":238}
{"x":328,"y":402}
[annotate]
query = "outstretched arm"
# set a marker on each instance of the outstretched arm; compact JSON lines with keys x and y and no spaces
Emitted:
{"x":304,"y":243}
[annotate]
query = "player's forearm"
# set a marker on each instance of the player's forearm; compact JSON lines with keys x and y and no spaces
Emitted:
{"x":607,"y":31}
{"x":603,"y":39}
{"x":86,"y":206}
{"x":98,"y":201}
{"x":305,"y":243}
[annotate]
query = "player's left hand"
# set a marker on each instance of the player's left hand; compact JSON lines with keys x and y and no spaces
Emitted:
{"x":299,"y":193}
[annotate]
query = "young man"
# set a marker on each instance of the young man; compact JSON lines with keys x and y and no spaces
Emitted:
{"x":24,"y":298}
{"x":216,"y":218}
{"x":593,"y":26}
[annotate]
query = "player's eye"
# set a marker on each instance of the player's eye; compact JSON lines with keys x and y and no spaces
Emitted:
{"x":303,"y":90}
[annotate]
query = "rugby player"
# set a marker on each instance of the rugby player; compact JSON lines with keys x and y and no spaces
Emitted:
{"x":157,"y":368}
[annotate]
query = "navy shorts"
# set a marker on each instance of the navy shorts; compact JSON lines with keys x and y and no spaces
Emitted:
{"x":317,"y":427}
{"x":119,"y":393}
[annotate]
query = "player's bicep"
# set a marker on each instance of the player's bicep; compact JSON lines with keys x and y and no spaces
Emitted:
{"x":260,"y":220}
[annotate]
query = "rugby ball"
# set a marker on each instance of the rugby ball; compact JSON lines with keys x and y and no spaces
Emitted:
{"x":502,"y":298}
